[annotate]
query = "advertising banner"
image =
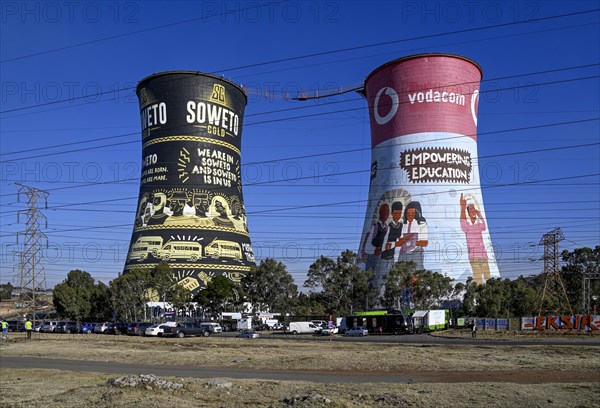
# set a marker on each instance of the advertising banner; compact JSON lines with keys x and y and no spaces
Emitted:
{"x":425,"y":203}
{"x":190,"y":210}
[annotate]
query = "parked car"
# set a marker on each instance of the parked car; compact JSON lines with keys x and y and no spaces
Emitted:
{"x":116,"y":328}
{"x":357,"y":331}
{"x":88,"y":328}
{"x":186,"y":329}
{"x":327,"y":332}
{"x":48,"y":327}
{"x":248,"y":334}
{"x":137,"y":329}
{"x":67,"y":327}
{"x":278,"y":326}
{"x":158,"y":329}
{"x":321,"y":324}
{"x":101,"y":327}
{"x":212,"y":327}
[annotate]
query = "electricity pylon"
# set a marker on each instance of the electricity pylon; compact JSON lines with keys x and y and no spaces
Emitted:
{"x":553,"y":298}
{"x":32,"y":277}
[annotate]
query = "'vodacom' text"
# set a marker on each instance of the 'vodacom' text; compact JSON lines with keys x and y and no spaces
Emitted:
{"x":437,"y":96}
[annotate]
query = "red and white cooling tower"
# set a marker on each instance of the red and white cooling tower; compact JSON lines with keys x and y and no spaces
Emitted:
{"x":425,"y":203}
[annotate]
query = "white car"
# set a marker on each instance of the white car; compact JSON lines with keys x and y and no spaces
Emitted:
{"x":357,"y":331}
{"x":158,"y":329}
{"x":327,"y":331}
{"x":212,"y":327}
{"x":100,"y":328}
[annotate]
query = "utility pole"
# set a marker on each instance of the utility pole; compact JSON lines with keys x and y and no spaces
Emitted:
{"x":553,"y":298}
{"x":32,"y":277}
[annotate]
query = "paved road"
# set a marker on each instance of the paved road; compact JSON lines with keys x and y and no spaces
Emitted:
{"x":7,"y":362}
{"x":520,"y":376}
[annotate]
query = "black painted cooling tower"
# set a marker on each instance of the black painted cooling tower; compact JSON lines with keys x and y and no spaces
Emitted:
{"x":190,"y":210}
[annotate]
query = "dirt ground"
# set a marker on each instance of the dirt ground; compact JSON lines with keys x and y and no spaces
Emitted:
{"x":445,"y":375}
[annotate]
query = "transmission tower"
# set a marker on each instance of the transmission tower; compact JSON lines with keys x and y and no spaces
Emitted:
{"x":553,"y":298}
{"x":32,"y":277}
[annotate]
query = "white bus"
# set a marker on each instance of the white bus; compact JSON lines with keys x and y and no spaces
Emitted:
{"x":223,"y":249}
{"x":190,"y":250}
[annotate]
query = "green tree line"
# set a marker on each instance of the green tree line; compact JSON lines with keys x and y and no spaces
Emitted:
{"x":333,"y":286}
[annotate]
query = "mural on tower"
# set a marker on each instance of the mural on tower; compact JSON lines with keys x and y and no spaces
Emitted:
{"x":425,"y":202}
{"x":190,"y":210}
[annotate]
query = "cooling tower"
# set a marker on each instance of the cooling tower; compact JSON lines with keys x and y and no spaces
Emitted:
{"x":425,"y":203}
{"x":190,"y":211}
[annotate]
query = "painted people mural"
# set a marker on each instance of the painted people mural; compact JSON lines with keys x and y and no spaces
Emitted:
{"x":423,"y":116}
{"x":414,"y":239}
{"x":190,"y":211}
{"x":473,"y":225}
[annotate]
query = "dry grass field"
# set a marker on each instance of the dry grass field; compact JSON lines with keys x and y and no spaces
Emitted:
{"x":445,"y":375}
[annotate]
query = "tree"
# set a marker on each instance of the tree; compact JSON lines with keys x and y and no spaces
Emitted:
{"x":431,"y":289}
{"x":470,"y":293}
{"x":310,"y":304}
{"x":493,"y":298}
{"x":269,"y":286}
{"x":344,"y":286}
{"x":398,"y":285}
{"x":73,"y":298}
{"x":6,"y":291}
{"x":218,"y":292}
{"x":580,"y":261}
{"x":128,"y":293}
{"x":522,"y":297}
{"x":165,"y":284}
{"x":101,"y":304}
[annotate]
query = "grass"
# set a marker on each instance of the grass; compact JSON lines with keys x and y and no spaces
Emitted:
{"x":447,"y":364}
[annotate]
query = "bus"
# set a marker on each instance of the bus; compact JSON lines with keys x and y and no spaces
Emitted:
{"x":381,"y":321}
{"x":190,"y":250}
{"x":223,"y":249}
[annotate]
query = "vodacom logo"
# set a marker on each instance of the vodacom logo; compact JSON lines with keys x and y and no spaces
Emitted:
{"x":382,"y":120}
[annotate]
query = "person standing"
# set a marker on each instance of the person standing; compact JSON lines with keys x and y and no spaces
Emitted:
{"x":4,"y":329}
{"x":474,"y":330}
{"x":28,"y":328}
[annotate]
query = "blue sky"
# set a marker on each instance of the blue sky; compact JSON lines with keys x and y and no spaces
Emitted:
{"x":70,"y":118}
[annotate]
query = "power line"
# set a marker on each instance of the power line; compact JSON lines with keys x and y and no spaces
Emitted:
{"x":422,"y":37}
{"x":279,"y":60}
{"x":312,"y":106}
{"x":289,"y":118}
{"x":281,"y":209}
{"x":356,"y":171}
{"x":112,"y":37}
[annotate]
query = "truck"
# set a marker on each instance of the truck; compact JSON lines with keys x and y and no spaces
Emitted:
{"x":302,"y":328}
{"x":430,"y":320}
{"x":244,"y":324}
